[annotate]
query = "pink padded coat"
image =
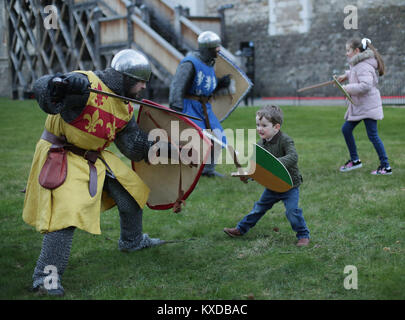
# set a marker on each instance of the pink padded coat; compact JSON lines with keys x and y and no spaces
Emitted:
{"x":362,"y":87}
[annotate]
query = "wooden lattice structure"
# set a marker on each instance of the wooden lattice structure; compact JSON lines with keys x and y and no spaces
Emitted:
{"x":51,"y":36}
{"x":44,"y":41}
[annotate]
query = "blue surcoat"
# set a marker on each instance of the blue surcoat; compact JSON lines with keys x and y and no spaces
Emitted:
{"x":204,"y":84}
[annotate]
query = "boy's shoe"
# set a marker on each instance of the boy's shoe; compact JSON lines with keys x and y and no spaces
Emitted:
{"x":382,"y":171}
{"x":233,"y":232}
{"x":351,"y":165}
{"x":303,"y":242}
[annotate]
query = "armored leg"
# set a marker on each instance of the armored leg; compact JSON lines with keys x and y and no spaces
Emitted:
{"x":131,"y":237}
{"x":53,"y":261}
{"x":209,"y":168}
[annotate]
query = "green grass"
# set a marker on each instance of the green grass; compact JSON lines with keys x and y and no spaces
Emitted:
{"x":354,"y":218}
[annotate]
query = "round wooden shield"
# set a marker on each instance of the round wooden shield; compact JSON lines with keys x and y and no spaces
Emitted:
{"x":270,"y":172}
{"x":171,"y":180}
{"x":267,"y":170}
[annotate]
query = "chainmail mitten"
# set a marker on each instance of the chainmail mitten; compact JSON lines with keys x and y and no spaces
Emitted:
{"x":44,"y":95}
{"x":54,"y":100}
{"x":53,"y":261}
{"x":131,"y":238}
{"x":74,"y":103}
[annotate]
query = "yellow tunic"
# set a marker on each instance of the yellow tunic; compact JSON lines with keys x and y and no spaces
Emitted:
{"x":71,"y":204}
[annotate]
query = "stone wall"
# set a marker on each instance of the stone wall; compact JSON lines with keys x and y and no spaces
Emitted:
{"x":296,"y":55}
{"x":5,"y":81}
{"x":291,"y":60}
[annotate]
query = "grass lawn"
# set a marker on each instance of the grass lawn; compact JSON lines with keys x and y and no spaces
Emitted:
{"x":354,"y":218}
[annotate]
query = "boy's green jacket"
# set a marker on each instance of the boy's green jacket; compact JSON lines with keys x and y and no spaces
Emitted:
{"x":282,"y":147}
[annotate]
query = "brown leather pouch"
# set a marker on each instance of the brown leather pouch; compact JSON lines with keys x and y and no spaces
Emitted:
{"x":53,"y":173}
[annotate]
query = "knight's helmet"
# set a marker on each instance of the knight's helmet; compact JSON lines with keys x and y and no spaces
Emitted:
{"x":208,"y":41}
{"x":133,"y":64}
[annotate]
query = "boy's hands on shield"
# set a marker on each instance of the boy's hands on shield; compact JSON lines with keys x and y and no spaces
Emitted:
{"x":244,"y":179}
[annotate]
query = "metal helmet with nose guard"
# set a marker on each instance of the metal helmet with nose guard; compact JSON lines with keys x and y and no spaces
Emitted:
{"x":133,"y":64}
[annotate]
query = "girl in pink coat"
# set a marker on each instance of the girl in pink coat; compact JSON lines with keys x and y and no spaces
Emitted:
{"x":364,"y":62}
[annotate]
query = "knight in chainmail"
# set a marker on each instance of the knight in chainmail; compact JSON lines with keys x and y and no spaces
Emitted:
{"x":88,"y":121}
{"x":192,"y":86}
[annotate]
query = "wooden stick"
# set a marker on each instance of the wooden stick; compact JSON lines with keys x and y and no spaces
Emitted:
{"x":347,"y":95}
{"x":142,"y":103}
{"x":316,"y":86}
{"x":60,"y":82}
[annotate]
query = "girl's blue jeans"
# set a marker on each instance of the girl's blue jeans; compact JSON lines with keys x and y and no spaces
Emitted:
{"x":372,"y":133}
{"x":266,"y":202}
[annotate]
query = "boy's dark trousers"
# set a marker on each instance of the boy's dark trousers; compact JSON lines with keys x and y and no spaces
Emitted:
{"x":294,"y":215}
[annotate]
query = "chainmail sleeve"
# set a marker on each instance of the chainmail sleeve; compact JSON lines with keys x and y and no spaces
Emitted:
{"x":42,"y":92}
{"x":52,"y":101}
{"x":182,"y":80}
{"x":133,"y":142}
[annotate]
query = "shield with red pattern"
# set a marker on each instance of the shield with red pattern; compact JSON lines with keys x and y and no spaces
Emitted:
{"x":171,"y":179}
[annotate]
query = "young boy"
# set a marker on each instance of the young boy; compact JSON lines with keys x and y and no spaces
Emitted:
{"x":268,"y":123}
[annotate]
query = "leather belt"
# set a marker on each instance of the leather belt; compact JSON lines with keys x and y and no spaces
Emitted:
{"x":90,"y":155}
{"x":203,"y":100}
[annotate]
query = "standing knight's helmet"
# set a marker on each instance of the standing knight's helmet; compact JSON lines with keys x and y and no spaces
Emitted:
{"x":208,"y":39}
{"x":133,"y":64}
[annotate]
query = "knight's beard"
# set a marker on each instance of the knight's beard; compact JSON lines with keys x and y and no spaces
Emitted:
{"x":134,"y":95}
{"x":129,"y":84}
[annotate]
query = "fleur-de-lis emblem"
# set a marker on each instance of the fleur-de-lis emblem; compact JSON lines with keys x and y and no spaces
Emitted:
{"x":100,"y":97}
{"x":112,"y":127}
{"x":94,"y":120}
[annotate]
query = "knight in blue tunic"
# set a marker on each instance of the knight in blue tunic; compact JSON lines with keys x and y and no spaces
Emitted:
{"x":194,"y":83}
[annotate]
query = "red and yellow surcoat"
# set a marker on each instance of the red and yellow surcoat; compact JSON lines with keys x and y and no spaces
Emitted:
{"x":71,"y":204}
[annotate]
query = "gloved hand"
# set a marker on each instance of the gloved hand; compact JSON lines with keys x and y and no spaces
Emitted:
{"x":76,"y":84}
{"x":61,"y":85}
{"x":224,"y":82}
{"x":57,"y":87}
